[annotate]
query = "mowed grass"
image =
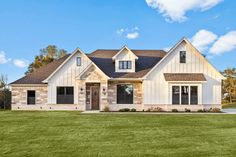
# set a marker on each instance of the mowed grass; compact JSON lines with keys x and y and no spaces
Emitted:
{"x":76,"y":135}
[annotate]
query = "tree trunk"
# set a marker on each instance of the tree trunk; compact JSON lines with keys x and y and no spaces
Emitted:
{"x":230,"y":98}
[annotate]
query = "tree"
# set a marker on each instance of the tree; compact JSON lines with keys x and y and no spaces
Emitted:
{"x":229,"y":84}
{"x":47,"y":55}
{"x":5,"y":94}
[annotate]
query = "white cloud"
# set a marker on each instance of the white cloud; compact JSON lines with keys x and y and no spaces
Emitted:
{"x":166,"y":49}
{"x":3,"y":58}
{"x":133,"y":35}
{"x":175,"y":10}
{"x":224,"y":43}
{"x":202,"y":39}
{"x":129,"y":33}
{"x":20,"y":63}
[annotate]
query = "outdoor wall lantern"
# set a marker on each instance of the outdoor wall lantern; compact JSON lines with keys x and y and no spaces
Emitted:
{"x":104,"y":90}
{"x":81,"y":90}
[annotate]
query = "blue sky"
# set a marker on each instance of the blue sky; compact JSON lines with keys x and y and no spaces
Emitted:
{"x":29,"y":25}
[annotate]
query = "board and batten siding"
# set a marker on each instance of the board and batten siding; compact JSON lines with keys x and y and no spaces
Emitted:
{"x":125,"y":55}
{"x":66,"y":76}
{"x":157,"y":90}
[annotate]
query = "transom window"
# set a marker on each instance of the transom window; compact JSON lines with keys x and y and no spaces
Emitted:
{"x":182,"y":56}
{"x":78,"y":61}
{"x":65,"y":95}
{"x":185,"y":95}
{"x":125,"y":94}
{"x":31,"y":97}
{"x":125,"y":64}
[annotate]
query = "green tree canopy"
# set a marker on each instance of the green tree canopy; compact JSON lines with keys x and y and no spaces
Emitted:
{"x":47,"y":55}
{"x":229,"y":84}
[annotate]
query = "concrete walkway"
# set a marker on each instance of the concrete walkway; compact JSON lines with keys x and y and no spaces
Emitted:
{"x":229,"y":111}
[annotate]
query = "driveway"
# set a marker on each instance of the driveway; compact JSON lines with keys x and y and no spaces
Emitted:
{"x":230,"y":110}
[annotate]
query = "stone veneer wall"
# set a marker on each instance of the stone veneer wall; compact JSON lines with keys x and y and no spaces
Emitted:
{"x":19,"y":97}
{"x":138,"y":96}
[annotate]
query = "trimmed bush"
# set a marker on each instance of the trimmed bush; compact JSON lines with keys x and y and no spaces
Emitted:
{"x":106,"y":109}
{"x":215,"y":110}
{"x":133,"y":110}
{"x":200,"y":110}
{"x":124,"y":110}
{"x":187,"y":110}
{"x":174,"y":110}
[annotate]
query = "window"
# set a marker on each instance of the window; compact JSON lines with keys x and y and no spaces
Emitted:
{"x":184,"y":95}
{"x":125,"y":94}
{"x":78,"y":61}
{"x":194,"y":95}
{"x":30,"y":97}
{"x":65,"y":95}
{"x":125,"y":65}
{"x":175,"y":94}
{"x":182,"y":56}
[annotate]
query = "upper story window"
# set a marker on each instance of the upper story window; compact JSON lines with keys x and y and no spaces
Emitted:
{"x":125,"y":65}
{"x":78,"y":61}
{"x":182,"y":57}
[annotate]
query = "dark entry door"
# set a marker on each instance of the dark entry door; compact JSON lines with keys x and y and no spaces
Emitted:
{"x":95,"y":97}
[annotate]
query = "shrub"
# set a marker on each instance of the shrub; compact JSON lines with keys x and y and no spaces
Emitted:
{"x":106,"y":109}
{"x":215,"y":110}
{"x":154,"y":109}
{"x":187,"y":110}
{"x":124,"y":110}
{"x":133,"y":110}
{"x":157,"y":109}
{"x":175,"y":110}
{"x":200,"y":110}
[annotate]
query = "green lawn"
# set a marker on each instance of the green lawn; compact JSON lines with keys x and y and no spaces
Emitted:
{"x":229,"y":105}
{"x":74,"y":134}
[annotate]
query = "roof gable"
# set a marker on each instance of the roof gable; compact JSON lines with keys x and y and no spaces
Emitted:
{"x":122,"y":51}
{"x":42,"y":73}
{"x":172,"y":50}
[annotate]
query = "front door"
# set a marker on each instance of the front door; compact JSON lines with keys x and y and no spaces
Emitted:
{"x":95,"y":97}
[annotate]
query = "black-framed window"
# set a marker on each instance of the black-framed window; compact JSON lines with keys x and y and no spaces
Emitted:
{"x":31,"y":97}
{"x":78,"y":61}
{"x":65,"y":95}
{"x":194,"y":95}
{"x":125,"y":64}
{"x":182,"y":56}
{"x":184,"y":95}
{"x":124,"y":94}
{"x":175,"y":94}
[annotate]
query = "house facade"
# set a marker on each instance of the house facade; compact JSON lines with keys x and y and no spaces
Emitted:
{"x":142,"y":79}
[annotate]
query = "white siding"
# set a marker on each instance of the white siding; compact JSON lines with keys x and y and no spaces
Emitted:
{"x":156,"y":89}
{"x":66,"y":76}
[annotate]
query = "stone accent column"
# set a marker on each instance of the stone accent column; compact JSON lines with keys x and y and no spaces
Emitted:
{"x":82,"y":95}
{"x":104,"y":94}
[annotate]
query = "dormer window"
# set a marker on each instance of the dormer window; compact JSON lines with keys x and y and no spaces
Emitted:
{"x":182,"y":56}
{"x":78,"y":61}
{"x":125,"y":65}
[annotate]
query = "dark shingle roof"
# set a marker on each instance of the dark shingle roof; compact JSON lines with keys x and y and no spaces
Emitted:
{"x":42,"y":73}
{"x":146,"y":60}
{"x":184,"y":77}
{"x":103,"y":59}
